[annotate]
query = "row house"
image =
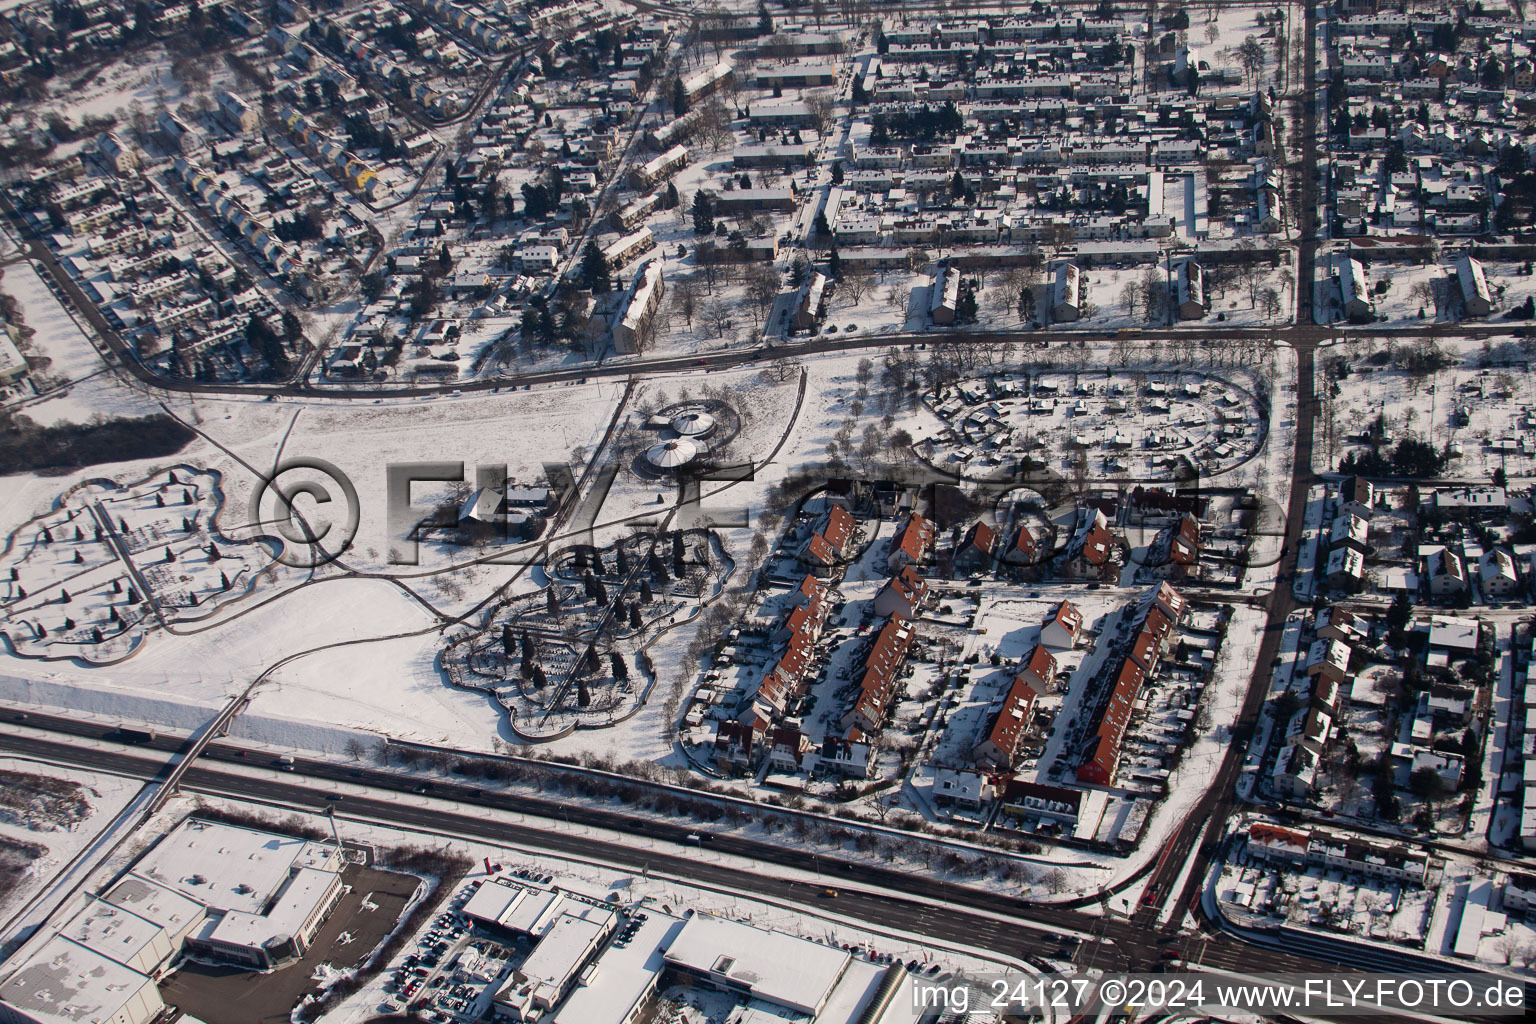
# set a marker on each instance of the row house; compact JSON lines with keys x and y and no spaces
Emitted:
{"x":879,"y":679}
{"x":1159,"y":616}
{"x":1009,"y":724}
{"x":831,"y":539}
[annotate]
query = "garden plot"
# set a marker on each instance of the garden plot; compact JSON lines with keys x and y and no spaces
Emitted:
{"x":1326,"y":901}
{"x":572,"y":655}
{"x":1126,"y":426}
{"x":1485,"y":417}
{"x":89,"y":579}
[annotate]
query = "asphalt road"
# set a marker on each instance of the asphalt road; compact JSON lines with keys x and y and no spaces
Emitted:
{"x":922,"y":906}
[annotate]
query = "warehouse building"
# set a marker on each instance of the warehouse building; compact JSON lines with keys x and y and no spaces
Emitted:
{"x":265,"y":895}
{"x":67,"y":983}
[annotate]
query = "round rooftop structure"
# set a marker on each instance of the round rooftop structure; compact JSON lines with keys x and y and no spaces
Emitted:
{"x":693,"y":424}
{"x":672,"y":454}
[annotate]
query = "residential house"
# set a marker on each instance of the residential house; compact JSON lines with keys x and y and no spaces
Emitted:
{"x":1500,"y":580}
{"x":1061,"y":630}
{"x":1357,"y":497}
{"x":1189,"y":291}
{"x":829,"y":543}
{"x":1477,"y":301}
{"x":1329,"y":659}
{"x":1066,"y":293}
{"x":902,"y":594}
{"x":974,"y":553}
{"x":956,"y":788}
{"x":912,"y":543}
{"x":1447,"y":574}
{"x":1022,"y":548}
{"x":1345,"y":570}
{"x":1005,"y":730}
{"x":1349,"y":530}
{"x":1038,"y":669}
{"x":1334,"y":623}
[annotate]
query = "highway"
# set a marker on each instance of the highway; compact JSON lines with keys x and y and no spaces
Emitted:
{"x":947,"y":912}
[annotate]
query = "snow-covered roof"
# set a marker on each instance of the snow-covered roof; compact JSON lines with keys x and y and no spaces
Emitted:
{"x":66,"y":983}
{"x":672,"y":454}
{"x":785,"y":970}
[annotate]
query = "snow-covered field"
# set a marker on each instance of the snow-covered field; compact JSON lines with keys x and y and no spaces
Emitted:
{"x":103,"y":798}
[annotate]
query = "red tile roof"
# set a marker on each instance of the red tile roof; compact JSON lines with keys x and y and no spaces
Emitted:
{"x":882,"y":666}
{"x":1098,"y":545}
{"x":1024,"y":542}
{"x":908,"y":585}
{"x":1009,"y":725}
{"x":1042,"y":663}
{"x":981,"y":537}
{"x":1103,"y":755}
{"x":915,"y":538}
{"x":1068,"y":616}
{"x":839,"y":528}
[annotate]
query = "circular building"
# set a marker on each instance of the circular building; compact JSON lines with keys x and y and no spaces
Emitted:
{"x":693,"y":424}
{"x":671,"y":455}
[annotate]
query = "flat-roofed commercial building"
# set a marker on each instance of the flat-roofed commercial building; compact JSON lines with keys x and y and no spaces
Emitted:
{"x":67,"y":983}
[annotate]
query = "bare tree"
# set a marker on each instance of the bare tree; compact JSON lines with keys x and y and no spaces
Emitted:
{"x":717,"y":316}
{"x":1130,"y":298}
{"x":1269,"y":303}
{"x":819,"y":106}
{"x":1250,"y":56}
{"x":685,"y":299}
{"x":856,"y":282}
{"x":762,"y":289}
{"x":1154,"y":295}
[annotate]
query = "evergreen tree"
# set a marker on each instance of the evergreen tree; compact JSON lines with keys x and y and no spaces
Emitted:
{"x":679,"y":98}
{"x":764,"y":21}
{"x":965,"y":308}
{"x":645,"y":591}
{"x":670,"y":198}
{"x":620,"y":669}
{"x":595,"y":275}
{"x":703,"y":213}
{"x":835,"y":265}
